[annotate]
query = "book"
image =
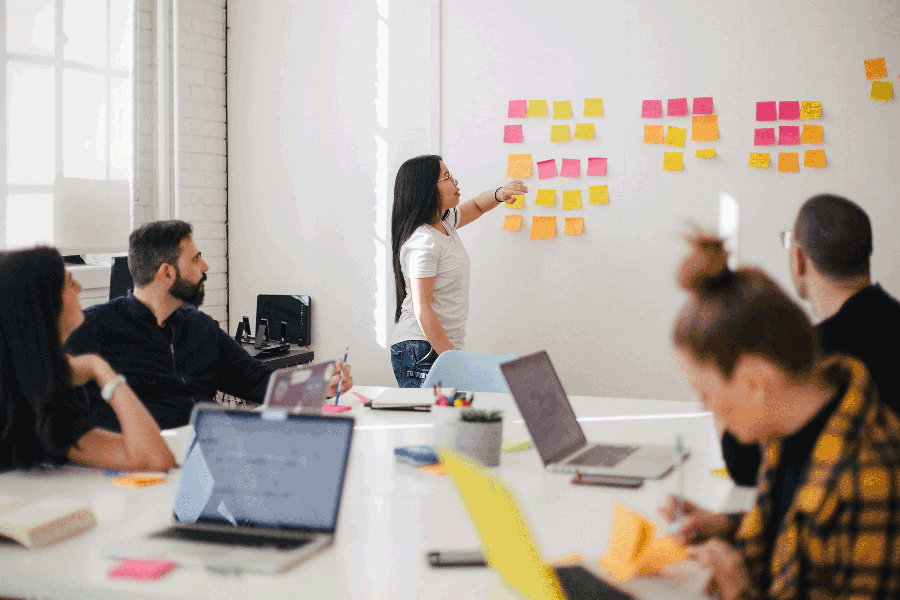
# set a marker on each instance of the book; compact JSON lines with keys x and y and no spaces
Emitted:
{"x":43,"y":522}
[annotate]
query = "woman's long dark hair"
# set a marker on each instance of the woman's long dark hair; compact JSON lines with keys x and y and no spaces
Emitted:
{"x":416,"y":202}
{"x":34,"y":373}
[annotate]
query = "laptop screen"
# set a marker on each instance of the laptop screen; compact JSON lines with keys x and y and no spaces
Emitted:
{"x":544,"y":406}
{"x":264,"y":469}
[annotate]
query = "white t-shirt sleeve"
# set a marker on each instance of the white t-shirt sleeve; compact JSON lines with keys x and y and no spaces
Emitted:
{"x":421,"y":256}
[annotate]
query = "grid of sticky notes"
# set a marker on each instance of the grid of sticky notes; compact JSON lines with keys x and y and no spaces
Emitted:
{"x":876,"y":72}
{"x":704,"y":128}
{"x":790,"y":133}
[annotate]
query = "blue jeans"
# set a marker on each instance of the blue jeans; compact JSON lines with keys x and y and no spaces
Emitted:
{"x":412,"y":360}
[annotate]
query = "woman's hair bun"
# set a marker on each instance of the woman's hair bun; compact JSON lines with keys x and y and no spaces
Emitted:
{"x":706,"y":267}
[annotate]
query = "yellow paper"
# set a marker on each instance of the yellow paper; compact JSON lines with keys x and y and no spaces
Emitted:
{"x":705,"y":153}
{"x":721,"y":472}
{"x":593,"y":107}
{"x":571,"y":199}
{"x":675,"y":136}
{"x":599,"y":194}
{"x":543,"y":228}
{"x":810,"y":110}
{"x":537,"y":108}
{"x":811,"y":134}
{"x":705,"y":128}
{"x":574,"y":225}
{"x":760,"y":160}
{"x":653,"y":134}
{"x":788,"y":162}
{"x":562,"y":109}
{"x":673,"y":161}
{"x":518,"y":165}
{"x":633,"y":549}
{"x":511,"y":223}
{"x":546,"y":197}
{"x":814,"y":158}
{"x":876,"y":68}
{"x":584,"y":131}
{"x":559,"y":133}
{"x":519,"y":203}
{"x":882,"y":90}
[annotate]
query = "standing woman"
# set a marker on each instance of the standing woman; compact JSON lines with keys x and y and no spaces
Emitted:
{"x":431,"y":266}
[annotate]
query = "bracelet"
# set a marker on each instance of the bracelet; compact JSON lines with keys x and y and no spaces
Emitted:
{"x":495,"y":194}
{"x":107,"y":391}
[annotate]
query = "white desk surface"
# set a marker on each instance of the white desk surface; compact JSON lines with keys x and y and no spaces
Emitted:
{"x":391,"y":514}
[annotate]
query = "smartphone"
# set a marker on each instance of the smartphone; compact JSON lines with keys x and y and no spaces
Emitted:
{"x":608,"y":480}
{"x":456,"y":558}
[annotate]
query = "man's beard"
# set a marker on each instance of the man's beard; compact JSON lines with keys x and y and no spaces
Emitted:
{"x":185,"y":291}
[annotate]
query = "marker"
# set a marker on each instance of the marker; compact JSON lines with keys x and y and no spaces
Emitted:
{"x":338,"y":395}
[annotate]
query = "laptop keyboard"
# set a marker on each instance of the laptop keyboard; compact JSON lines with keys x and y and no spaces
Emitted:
{"x":230,"y":539}
{"x":603,"y":456}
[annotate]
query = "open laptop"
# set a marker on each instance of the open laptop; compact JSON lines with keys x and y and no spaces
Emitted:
{"x":559,"y":438}
{"x":259,"y":491}
{"x":299,"y":387}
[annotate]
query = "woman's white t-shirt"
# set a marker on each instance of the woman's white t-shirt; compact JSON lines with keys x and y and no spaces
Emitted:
{"x":430,"y":253}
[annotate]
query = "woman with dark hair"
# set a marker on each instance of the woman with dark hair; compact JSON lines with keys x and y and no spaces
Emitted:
{"x":47,"y":398}
{"x":824,"y":524}
{"x":429,"y":258}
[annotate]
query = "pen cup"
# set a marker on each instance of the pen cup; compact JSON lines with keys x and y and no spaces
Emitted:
{"x":444,"y":420}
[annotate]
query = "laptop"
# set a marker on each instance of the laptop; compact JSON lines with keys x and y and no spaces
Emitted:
{"x":299,"y":387}
{"x":259,"y":491}
{"x":559,"y":438}
{"x":507,"y":543}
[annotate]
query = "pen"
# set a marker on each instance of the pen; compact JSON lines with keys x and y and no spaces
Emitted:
{"x":679,"y":466}
{"x":337,"y":396}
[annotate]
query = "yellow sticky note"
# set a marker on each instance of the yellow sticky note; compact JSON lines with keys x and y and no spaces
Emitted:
{"x":543,"y":228}
{"x":788,"y":162}
{"x":593,"y":107}
{"x":546,"y":197}
{"x":810,"y":110}
{"x":559,"y":133}
{"x":876,"y":68}
{"x":653,"y":134}
{"x":721,"y":472}
{"x":574,"y":225}
{"x":675,"y":136}
{"x":814,"y":158}
{"x":673,"y":161}
{"x":760,"y":160}
{"x":705,"y":153}
{"x":812,"y":134}
{"x":584,"y":131}
{"x":511,"y":223}
{"x":519,"y":203}
{"x":537,"y":108}
{"x":518,"y":165}
{"x":571,"y":199}
{"x":599,"y":194}
{"x":882,"y":90}
{"x":562,"y":109}
{"x":705,"y":128}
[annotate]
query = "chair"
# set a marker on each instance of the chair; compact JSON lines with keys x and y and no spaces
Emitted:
{"x":469,"y":372}
{"x":120,"y":280}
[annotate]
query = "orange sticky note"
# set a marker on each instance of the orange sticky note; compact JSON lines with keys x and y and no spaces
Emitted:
{"x":812,"y":134}
{"x":543,"y":228}
{"x":584,"y":131}
{"x":673,"y":161}
{"x":635,"y":550}
{"x":546,"y":197}
{"x":705,"y":128}
{"x":810,"y":110}
{"x":882,"y":90}
{"x":788,"y":162}
{"x":574,"y":225}
{"x":562,"y":109}
{"x":760,"y":160}
{"x":675,"y":136}
{"x":434,"y":469}
{"x":814,"y":158}
{"x":518,"y":165}
{"x":519,"y":203}
{"x":705,"y":153}
{"x":593,"y":107}
{"x":571,"y":199}
{"x":559,"y":133}
{"x":537,"y":108}
{"x":511,"y":223}
{"x":599,"y":194}
{"x":876,"y":68}
{"x":653,"y":134}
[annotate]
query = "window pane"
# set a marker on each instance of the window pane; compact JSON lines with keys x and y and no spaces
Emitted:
{"x":84,"y":125}
{"x":29,"y":219}
{"x":30,"y":26}
{"x":120,"y":137}
{"x":120,"y":34}
{"x":31,"y":124}
{"x":84,"y":24}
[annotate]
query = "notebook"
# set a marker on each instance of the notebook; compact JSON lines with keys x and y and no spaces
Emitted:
{"x":299,"y":387}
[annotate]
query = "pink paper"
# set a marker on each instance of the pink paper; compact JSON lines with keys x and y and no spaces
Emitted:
{"x":597,"y":166}
{"x":764,"y":137}
{"x":140,"y":569}
{"x":677,"y":107}
{"x":652,"y":109}
{"x":547,"y":169}
{"x":788,"y":110}
{"x":765,"y":111}
{"x":518,"y":109}
{"x":788,"y":135}
{"x":703,"y":106}
{"x":512,"y":134}
{"x":571,"y":167}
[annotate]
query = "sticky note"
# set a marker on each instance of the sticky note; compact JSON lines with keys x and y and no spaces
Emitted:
{"x":519,"y":203}
{"x":542,"y":228}
{"x":596,"y":167}
{"x":812,"y":134}
{"x":546,"y":197}
{"x":559,"y":133}
{"x":574,"y":226}
{"x":599,"y":194}
{"x":146,"y":570}
{"x":720,"y":472}
{"x":703,"y":105}
{"x":814,"y":158}
{"x":571,"y":167}
{"x":764,"y":136}
{"x":436,"y":469}
{"x":705,"y":153}
{"x":562,"y":109}
{"x":518,"y":165}
{"x":705,"y":128}
{"x":677,"y":107}
{"x":517,"y":109}
{"x":635,"y":550}
{"x":675,"y":136}
{"x":571,"y":199}
{"x":584,"y":131}
{"x":788,"y":162}
{"x":810,"y":110}
{"x":882,"y":90}
{"x":593,"y":107}
{"x":876,"y":68}
{"x":512,"y":134}
{"x":653,"y":134}
{"x":547,"y":169}
{"x":673,"y":161}
{"x":788,"y":135}
{"x":759,"y":160}
{"x":652,"y":109}
{"x":511,"y":223}
{"x":765,"y":111}
{"x":537,"y":108}
{"x":788,"y":111}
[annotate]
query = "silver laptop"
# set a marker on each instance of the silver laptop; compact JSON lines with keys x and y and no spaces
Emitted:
{"x":259,"y":491}
{"x":559,"y":438}
{"x":299,"y":387}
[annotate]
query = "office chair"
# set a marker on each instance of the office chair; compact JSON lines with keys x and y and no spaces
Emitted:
{"x":120,"y":280}
{"x":469,"y":372}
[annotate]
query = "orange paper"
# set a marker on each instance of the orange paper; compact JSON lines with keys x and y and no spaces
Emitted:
{"x":634,"y":551}
{"x":812,"y":134}
{"x":653,"y":134}
{"x":574,"y":225}
{"x":705,"y":128}
{"x":518,"y":165}
{"x":434,"y":469}
{"x":814,"y":158}
{"x":512,"y":223}
{"x":876,"y":68}
{"x":788,"y":162}
{"x":543,"y":228}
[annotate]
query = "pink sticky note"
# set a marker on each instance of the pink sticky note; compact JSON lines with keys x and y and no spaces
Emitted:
{"x":703,"y":106}
{"x":547,"y":169}
{"x":652,"y":109}
{"x":518,"y":109}
{"x":512,"y":134}
{"x":361,"y":397}
{"x":571,"y":167}
{"x":335,"y":408}
{"x":764,"y":137}
{"x":597,"y":166}
{"x":788,"y":135}
{"x":140,"y":569}
{"x":765,"y":111}
{"x":789,"y":110}
{"x":677,"y":107}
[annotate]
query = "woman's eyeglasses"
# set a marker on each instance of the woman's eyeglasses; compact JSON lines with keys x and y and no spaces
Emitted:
{"x":449,"y":176}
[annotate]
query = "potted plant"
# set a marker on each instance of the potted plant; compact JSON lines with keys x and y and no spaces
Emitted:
{"x":479,"y":434}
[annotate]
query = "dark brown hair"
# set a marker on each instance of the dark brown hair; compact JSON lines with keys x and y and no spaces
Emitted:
{"x":152,"y":245}
{"x":836,"y":235}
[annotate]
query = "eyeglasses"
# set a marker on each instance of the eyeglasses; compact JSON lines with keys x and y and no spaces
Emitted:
{"x":786,"y":239}
{"x":449,"y":176}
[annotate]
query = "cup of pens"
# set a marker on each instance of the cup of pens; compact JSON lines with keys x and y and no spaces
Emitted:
{"x":445,"y":413}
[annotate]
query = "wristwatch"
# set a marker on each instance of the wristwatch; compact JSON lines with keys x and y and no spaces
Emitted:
{"x":107,"y":391}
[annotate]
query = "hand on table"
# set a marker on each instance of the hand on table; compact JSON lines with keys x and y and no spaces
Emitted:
{"x":696,"y":523}
{"x":514,"y":187}
{"x":342,"y":375}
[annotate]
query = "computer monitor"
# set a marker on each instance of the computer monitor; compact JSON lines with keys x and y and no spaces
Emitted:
{"x":293,"y":310}
{"x":120,"y":280}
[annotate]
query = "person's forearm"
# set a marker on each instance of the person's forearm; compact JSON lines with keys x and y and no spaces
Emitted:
{"x":433,"y":330}
{"x":485,"y":201}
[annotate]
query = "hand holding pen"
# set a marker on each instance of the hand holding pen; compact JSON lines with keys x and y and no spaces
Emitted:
{"x":342,"y":381}
{"x":696,"y":524}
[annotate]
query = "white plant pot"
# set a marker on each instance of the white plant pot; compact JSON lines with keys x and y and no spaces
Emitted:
{"x":480,"y":440}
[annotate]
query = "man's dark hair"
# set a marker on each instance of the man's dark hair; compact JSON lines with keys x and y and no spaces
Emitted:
{"x":152,"y":245}
{"x":836,"y":235}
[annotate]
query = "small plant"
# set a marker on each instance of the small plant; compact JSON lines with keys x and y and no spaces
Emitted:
{"x":474,"y":415}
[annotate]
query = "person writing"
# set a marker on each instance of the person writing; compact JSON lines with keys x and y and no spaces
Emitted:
{"x":49,"y":400}
{"x":824,"y":520}
{"x":430,"y":259}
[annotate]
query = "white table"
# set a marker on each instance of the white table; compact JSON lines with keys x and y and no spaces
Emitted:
{"x":391,"y":514}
